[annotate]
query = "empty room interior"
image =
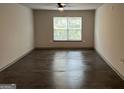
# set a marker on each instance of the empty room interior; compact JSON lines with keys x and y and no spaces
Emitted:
{"x":62,"y":45}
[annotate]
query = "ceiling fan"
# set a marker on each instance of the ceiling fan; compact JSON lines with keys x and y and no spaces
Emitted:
{"x":61,"y":6}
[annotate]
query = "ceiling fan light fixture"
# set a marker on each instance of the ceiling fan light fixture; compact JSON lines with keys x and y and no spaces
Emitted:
{"x":60,"y":7}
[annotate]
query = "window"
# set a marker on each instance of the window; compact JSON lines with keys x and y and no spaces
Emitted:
{"x":67,"y":28}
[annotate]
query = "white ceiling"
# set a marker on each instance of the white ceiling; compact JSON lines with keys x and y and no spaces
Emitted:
{"x":69,"y":6}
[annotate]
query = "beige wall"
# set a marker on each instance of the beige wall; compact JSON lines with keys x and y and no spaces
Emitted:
{"x":16,"y":32}
{"x":43,"y":23}
{"x":109,"y":34}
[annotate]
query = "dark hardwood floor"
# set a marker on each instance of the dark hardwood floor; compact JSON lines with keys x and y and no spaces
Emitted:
{"x":65,"y":69}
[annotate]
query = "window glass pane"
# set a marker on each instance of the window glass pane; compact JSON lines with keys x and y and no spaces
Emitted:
{"x":74,"y":28}
{"x":60,"y":23}
{"x":74,"y":22}
{"x":60,"y":28}
{"x":74,"y":34}
{"x":60,"y":34}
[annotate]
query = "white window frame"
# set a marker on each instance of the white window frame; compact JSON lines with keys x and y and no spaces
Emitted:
{"x":67,"y":30}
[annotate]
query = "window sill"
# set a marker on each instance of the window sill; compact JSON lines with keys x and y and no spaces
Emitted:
{"x":67,"y":41}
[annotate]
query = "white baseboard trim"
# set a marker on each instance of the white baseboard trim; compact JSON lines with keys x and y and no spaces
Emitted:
{"x":3,"y":68}
{"x":118,"y":73}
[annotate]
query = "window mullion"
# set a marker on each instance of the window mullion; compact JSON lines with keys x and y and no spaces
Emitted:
{"x":67,"y":30}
